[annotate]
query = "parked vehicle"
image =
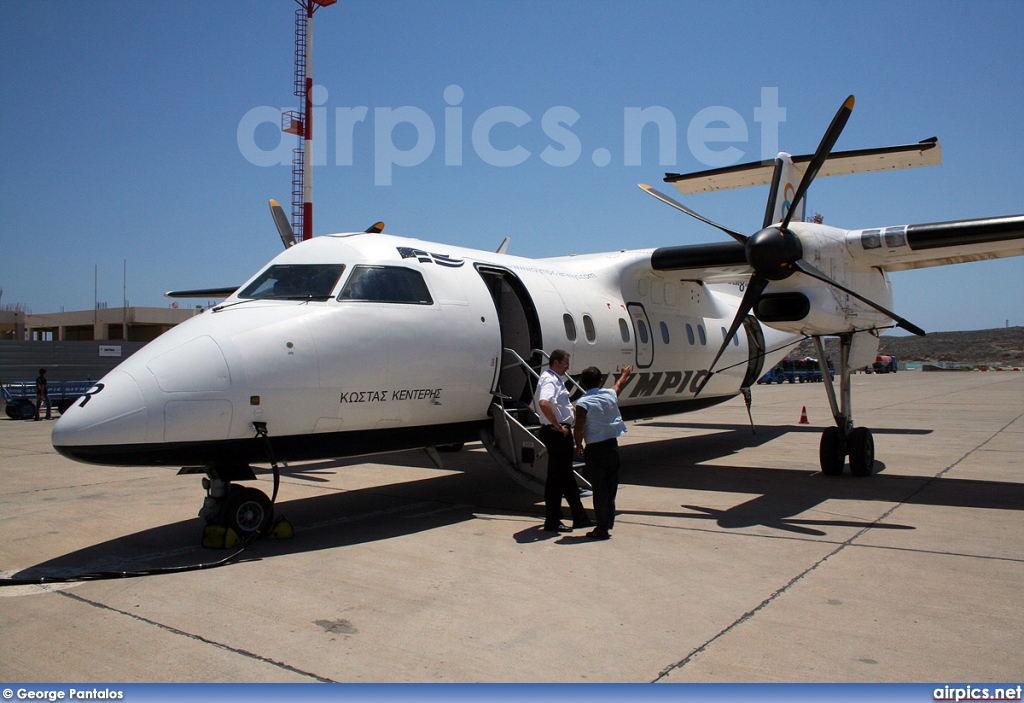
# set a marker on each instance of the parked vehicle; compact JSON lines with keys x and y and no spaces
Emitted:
{"x":884,"y":364}
{"x":20,"y":396}
{"x":804,"y":370}
{"x":18,"y":408}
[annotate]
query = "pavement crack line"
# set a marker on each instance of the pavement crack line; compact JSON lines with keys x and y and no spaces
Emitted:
{"x":813,"y":567}
{"x":197,"y":638}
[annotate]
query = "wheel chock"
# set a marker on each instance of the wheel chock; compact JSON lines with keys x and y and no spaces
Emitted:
{"x":282,"y":529}
{"x":220,"y":537}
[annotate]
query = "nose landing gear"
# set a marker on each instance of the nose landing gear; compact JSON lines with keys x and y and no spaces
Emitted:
{"x":237,"y":515}
{"x":248,"y":510}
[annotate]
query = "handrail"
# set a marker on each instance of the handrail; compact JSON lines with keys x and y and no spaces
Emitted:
{"x":536,"y":376}
{"x":522,"y":362}
{"x":572,"y":380}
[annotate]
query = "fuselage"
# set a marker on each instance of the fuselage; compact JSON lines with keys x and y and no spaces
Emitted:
{"x":359,"y":343}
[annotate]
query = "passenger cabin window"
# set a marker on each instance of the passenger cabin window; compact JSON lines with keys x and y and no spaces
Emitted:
{"x":703,"y":337}
{"x":641,"y":330}
{"x":570,"y":327}
{"x":295,"y":282}
{"x":588,"y":328}
{"x":689,"y":333}
{"x":624,"y":330}
{"x":386,"y":284}
{"x":664,"y":331}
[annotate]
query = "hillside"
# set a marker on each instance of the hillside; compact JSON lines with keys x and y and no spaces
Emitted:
{"x":1003,"y":346}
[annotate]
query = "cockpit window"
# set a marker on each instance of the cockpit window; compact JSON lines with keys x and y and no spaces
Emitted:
{"x":295,"y":282}
{"x":386,"y":284}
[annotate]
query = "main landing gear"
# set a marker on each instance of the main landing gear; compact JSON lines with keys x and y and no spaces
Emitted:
{"x":844,"y":439}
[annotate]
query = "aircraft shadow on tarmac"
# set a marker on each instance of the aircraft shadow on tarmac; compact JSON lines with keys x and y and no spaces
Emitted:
{"x":784,"y":493}
{"x":473,"y":488}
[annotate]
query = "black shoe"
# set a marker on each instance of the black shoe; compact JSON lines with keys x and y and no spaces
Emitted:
{"x":594,"y":534}
{"x":556,"y":528}
{"x":585,"y":522}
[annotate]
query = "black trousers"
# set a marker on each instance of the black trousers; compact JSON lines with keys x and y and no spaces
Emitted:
{"x":602,"y":461}
{"x":560,"y":482}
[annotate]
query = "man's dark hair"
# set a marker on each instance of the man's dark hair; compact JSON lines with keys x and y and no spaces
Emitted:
{"x":557,"y":355}
{"x":591,"y":378}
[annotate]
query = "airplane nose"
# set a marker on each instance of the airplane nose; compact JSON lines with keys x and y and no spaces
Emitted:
{"x":112,"y":413}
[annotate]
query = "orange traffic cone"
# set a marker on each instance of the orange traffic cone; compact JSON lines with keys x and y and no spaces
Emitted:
{"x":803,"y":416}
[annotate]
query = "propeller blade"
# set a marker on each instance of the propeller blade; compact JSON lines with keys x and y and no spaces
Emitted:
{"x":824,"y":148}
{"x":755,"y":286}
{"x":201,"y":293}
{"x":741,"y":238}
{"x":375,"y":228}
{"x":773,"y":194}
{"x":813,"y":272}
{"x":281,"y":221}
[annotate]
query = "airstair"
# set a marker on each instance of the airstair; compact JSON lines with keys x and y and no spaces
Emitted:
{"x":512,"y":440}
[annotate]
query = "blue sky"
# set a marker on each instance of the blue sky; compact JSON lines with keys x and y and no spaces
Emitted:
{"x":121,"y":136}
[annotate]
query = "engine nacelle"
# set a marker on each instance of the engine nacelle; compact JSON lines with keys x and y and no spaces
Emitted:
{"x":804,"y":305}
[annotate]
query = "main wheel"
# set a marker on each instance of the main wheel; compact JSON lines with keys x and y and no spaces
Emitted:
{"x":831,"y":453}
{"x":862,"y":452}
{"x":248,"y":510}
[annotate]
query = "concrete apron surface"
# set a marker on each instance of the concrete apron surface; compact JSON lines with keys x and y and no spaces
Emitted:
{"x":732,"y":559}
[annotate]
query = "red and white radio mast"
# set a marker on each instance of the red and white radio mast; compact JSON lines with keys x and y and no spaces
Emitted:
{"x":300,"y":122}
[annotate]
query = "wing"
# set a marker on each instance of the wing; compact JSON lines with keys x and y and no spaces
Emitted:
{"x":939,"y":243}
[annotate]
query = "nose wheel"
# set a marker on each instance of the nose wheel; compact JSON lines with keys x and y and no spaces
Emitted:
{"x":247,"y":511}
{"x":235,"y":515}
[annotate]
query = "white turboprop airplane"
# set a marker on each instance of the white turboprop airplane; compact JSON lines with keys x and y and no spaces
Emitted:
{"x":360,"y":343}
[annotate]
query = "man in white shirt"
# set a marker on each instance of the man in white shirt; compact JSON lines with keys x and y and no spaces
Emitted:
{"x":556,"y":415}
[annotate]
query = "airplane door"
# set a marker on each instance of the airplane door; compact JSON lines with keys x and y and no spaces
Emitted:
{"x":643,"y":335}
{"x":520,"y":332}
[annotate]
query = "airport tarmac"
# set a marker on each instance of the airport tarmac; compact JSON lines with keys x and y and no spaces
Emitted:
{"x":733,"y":558}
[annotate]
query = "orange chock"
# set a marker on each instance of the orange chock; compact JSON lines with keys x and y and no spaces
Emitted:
{"x":803,"y":416}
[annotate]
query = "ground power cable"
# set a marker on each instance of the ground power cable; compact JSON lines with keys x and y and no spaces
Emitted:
{"x":261,"y":433}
